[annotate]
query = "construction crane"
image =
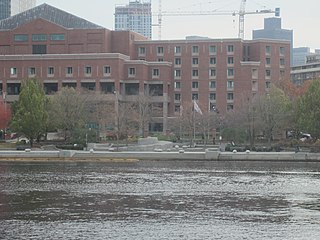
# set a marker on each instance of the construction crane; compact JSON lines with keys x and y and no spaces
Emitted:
{"x":242,"y":12}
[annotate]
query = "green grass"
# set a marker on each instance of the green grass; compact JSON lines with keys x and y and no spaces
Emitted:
{"x":4,"y":145}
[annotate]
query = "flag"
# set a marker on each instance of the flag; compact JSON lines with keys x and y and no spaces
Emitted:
{"x":196,"y":107}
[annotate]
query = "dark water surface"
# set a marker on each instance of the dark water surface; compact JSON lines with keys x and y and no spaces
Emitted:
{"x":160,"y":200}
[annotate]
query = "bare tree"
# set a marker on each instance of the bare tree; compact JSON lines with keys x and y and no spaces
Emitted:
{"x":68,"y":110}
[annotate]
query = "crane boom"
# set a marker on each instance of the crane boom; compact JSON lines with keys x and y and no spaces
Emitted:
{"x":242,"y":12}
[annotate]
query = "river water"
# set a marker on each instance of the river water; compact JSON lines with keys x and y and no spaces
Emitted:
{"x":160,"y":200}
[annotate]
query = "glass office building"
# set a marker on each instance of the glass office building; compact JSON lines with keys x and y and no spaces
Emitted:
{"x":5,"y":9}
{"x":136,"y":17}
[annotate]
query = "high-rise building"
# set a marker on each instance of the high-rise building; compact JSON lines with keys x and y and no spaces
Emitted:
{"x":18,"y":6}
{"x":300,"y":55}
{"x":136,"y":17}
{"x":273,"y":30}
{"x":5,"y":9}
{"x":12,"y":7}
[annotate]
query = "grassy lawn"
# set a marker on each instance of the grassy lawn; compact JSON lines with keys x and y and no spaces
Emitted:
{"x":4,"y":145}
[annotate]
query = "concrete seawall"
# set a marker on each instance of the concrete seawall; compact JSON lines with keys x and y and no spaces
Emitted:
{"x":208,"y":155}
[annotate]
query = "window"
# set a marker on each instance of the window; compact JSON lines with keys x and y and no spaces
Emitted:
{"x":39,"y":49}
{"x":88,"y":70}
{"x":212,"y":96}
{"x":21,"y":38}
{"x":268,"y":50}
{"x":229,"y":107}
{"x":195,"y":73}
{"x":13,"y":88}
{"x":177,"y":85}
{"x":195,"y":61}
{"x":195,"y":96}
{"x":230,"y":49}
{"x":282,"y":62}
{"x":268,"y":85}
{"x":57,"y":37}
{"x":31,"y":71}
{"x":155,"y":72}
{"x":142,"y":51}
{"x":255,"y":73}
{"x":230,"y":60}
{"x":107,"y":70}
{"x":88,"y":85}
{"x":282,"y":51}
{"x":132,"y":71}
{"x":177,"y":109}
{"x":212,"y":72}
{"x":195,"y":49}
{"x":13,"y":71}
{"x":177,"y":97}
{"x":177,"y":50}
{"x":177,"y":61}
{"x":177,"y":73}
{"x":230,"y":72}
{"x":195,"y":85}
{"x":160,"y":50}
{"x":39,"y":37}
{"x":213,"y":61}
{"x":51,"y":71}
{"x":69,"y":71}
{"x":268,"y":61}
{"x":282,"y":73}
{"x":268,"y":73}
{"x":254,"y":86}
{"x":230,"y":96}
{"x":212,"y":84}
{"x":230,"y":84}
{"x":212,"y":49}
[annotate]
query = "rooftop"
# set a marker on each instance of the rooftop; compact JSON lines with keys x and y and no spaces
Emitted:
{"x":49,"y":13}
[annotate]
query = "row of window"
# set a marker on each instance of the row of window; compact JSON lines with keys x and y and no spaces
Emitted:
{"x":212,"y":107}
{"x":212,"y":85}
{"x":195,"y":50}
{"x":51,"y":88}
{"x":39,"y":37}
{"x":132,"y":72}
{"x":195,"y":61}
{"x":281,"y":62}
{"x":51,"y":71}
{"x":213,"y":61}
{"x":212,"y":96}
{"x":178,"y":50}
{"x":195,"y":73}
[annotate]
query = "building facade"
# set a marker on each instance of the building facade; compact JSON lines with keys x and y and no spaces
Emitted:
{"x":300,"y":55}
{"x":61,"y":50}
{"x":5,"y":9}
{"x":18,"y":6}
{"x":273,"y":30}
{"x":308,"y":71}
{"x":136,"y":16}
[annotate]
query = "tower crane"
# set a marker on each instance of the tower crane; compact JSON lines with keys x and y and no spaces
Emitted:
{"x":242,"y":12}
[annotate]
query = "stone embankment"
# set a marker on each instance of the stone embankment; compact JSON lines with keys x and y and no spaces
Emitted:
{"x":178,"y":154}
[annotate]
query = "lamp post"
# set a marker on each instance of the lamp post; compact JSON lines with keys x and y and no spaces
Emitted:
{"x":87,"y":138}
{"x":117,"y":117}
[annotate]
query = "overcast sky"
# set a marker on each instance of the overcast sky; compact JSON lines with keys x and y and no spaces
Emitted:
{"x":301,"y":16}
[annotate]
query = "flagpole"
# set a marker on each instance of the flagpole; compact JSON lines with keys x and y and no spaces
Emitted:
{"x":194,"y":124}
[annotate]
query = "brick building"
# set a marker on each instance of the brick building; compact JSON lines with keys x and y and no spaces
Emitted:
{"x":61,"y":49}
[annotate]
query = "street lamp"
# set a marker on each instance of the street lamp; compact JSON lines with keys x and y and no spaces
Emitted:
{"x":117,"y":117}
{"x":87,"y":139}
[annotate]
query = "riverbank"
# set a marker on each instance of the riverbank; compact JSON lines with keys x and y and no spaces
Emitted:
{"x":107,"y":156}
